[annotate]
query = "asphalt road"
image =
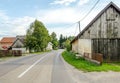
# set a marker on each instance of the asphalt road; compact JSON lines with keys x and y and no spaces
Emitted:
{"x":43,"y":68}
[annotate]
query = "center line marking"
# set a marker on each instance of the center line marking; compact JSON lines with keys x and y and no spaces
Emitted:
{"x":31,"y":67}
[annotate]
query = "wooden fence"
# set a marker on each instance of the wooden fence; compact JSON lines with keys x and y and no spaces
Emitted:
{"x":10,"y":53}
{"x":109,"y":48}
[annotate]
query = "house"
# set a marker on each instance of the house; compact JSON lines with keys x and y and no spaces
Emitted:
{"x":101,"y":35}
{"x":6,"y":42}
{"x":19,"y":44}
{"x":13,"y":43}
{"x":49,"y":46}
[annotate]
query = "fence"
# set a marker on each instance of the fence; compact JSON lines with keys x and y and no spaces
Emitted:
{"x":10,"y":53}
{"x":109,"y":48}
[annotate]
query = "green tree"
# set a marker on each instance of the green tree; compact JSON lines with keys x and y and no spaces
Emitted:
{"x":54,"y":40}
{"x":67,"y":45}
{"x":62,"y":39}
{"x":37,"y":37}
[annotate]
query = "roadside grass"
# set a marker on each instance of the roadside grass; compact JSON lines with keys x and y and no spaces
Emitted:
{"x":87,"y":66}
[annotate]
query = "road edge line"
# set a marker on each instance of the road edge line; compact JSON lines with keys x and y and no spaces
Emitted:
{"x":22,"y":74}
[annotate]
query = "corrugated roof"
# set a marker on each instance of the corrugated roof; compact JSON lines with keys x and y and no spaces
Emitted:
{"x":87,"y":27}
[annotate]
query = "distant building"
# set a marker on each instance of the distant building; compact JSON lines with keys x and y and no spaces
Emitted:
{"x":13,"y":43}
{"x":6,"y":42}
{"x":19,"y":44}
{"x":49,"y":46}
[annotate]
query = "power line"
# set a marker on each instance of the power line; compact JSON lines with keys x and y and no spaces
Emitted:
{"x":90,"y":10}
{"x":87,"y":14}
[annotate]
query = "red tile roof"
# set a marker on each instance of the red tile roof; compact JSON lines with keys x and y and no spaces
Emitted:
{"x":8,"y":40}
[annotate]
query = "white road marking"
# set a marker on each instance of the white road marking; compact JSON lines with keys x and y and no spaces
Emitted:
{"x":31,"y":67}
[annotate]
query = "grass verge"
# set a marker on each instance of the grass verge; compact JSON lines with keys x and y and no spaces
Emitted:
{"x":87,"y":66}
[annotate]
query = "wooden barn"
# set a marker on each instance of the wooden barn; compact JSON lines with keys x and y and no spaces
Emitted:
{"x":101,"y":35}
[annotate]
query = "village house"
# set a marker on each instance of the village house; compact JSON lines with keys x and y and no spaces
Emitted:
{"x":13,"y":43}
{"x":19,"y":44}
{"x":101,"y":35}
{"x":6,"y":42}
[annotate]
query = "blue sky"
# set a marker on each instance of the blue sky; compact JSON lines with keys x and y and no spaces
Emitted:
{"x":59,"y":16}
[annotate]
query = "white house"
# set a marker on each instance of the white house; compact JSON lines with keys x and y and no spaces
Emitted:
{"x":49,"y":46}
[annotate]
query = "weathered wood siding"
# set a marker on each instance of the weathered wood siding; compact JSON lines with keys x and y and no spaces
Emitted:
{"x":110,"y":48}
{"x":106,"y":26}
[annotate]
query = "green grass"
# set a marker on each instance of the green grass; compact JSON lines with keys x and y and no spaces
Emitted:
{"x":87,"y":66}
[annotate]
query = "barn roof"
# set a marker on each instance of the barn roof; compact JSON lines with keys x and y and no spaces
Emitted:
{"x":111,"y":4}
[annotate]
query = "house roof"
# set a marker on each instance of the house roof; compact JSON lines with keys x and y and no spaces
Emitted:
{"x":16,"y":41}
{"x":111,"y":4}
{"x":7,"y":40}
{"x":21,"y":38}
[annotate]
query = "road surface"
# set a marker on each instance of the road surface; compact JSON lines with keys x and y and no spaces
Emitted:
{"x":39,"y":68}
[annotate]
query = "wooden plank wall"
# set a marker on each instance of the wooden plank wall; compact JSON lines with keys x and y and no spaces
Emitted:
{"x":110,"y":48}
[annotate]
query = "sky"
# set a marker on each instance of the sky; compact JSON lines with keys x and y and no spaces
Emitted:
{"x":59,"y":16}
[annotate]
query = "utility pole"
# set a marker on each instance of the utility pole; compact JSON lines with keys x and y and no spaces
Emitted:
{"x":79,"y":26}
{"x":78,"y":35}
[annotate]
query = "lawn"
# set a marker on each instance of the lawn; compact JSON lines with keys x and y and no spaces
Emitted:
{"x":87,"y":66}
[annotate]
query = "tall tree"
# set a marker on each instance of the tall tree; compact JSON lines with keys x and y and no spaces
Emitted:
{"x":37,"y":36}
{"x":67,"y":45}
{"x":61,"y":41}
{"x":54,"y":40}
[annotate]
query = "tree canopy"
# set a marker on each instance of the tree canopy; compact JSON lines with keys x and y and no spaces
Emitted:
{"x":54,"y":40}
{"x":37,"y":37}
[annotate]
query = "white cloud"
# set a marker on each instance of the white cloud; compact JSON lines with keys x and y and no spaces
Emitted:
{"x":63,"y":2}
{"x":13,"y":27}
{"x":82,"y":2}
{"x":68,"y":2}
{"x":55,"y":17}
{"x":66,"y":16}
{"x":66,"y":31}
{"x":20,"y":25}
{"x":3,"y":15}
{"x":62,"y":15}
